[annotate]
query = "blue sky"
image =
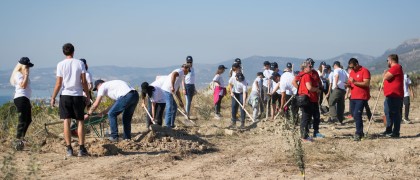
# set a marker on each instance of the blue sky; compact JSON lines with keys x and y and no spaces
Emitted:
{"x":163,"y":33}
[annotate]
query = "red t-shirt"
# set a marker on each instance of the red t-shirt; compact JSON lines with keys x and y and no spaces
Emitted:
{"x":313,"y":96}
{"x":394,"y":87}
{"x":356,"y":91}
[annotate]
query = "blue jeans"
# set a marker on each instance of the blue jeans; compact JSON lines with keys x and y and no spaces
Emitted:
{"x":235,"y":107}
{"x":189,"y":90}
{"x":357,"y":107}
{"x":392,"y":109}
{"x":171,"y":108}
{"x":126,"y":105}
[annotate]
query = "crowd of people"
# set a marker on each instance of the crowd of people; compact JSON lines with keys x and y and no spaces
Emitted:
{"x":273,"y":93}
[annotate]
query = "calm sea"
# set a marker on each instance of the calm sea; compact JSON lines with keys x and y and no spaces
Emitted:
{"x":7,"y":94}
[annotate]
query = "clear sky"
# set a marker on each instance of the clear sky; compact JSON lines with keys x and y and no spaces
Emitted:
{"x":162,"y":33}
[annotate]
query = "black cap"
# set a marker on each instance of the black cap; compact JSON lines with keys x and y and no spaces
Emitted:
{"x":323,"y":63}
{"x":275,"y":74}
{"x":237,"y":60}
{"x":97,"y":82}
{"x":222,"y":67}
{"x":26,"y":61}
{"x":289,"y":65}
{"x":274,"y":65}
{"x":144,"y":86}
{"x":296,"y":72}
{"x":327,"y":66}
{"x":260,"y":74}
{"x":240,"y":77}
{"x":189,"y":59}
{"x":310,"y":60}
{"x":266,"y":63}
{"x":235,"y":65}
{"x":337,"y":63}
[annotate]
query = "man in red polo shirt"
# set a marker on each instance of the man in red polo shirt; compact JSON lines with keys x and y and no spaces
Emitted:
{"x":394,"y":93}
{"x":358,"y":83}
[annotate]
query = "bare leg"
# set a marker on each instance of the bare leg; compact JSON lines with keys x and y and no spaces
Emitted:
{"x":81,"y":132}
{"x":67,"y":134}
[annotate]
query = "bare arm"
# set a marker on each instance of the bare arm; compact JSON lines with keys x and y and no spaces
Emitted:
{"x":276,"y":88}
{"x":95,"y":104}
{"x":85,"y":85}
{"x":173,"y":78}
{"x":388,"y":76}
{"x":57,"y":88}
{"x":283,"y":100}
{"x":294,"y":83}
{"x":311,"y":88}
{"x":336,"y":80}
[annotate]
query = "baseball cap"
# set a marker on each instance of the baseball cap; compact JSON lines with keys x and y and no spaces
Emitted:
{"x":237,"y":60}
{"x":97,"y":82}
{"x":289,"y":65}
{"x":189,"y":59}
{"x":327,"y":66}
{"x":323,"y":63}
{"x":222,"y":67}
{"x":266,"y":63}
{"x":274,"y":65}
{"x":260,"y":74}
{"x":26,"y":61}
{"x":310,"y":60}
{"x":240,"y":77}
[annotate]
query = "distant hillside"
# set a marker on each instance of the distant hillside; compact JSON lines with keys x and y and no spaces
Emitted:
{"x":44,"y":78}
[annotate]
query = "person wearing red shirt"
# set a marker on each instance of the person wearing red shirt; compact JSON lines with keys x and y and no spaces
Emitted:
{"x":306,"y":87}
{"x":394,"y":94}
{"x":358,"y":83}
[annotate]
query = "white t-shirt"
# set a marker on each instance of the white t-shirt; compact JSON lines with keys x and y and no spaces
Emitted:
{"x":342,"y":78}
{"x":331,"y":77}
{"x":71,"y":70}
{"x":168,"y":81}
{"x":267,"y":74}
{"x":254,"y":84}
{"x":158,"y":96}
{"x":407,"y":82}
{"x":114,"y":89}
{"x":190,"y":77}
{"x":219,"y":79}
{"x":19,"y":91}
{"x":238,"y":87}
{"x":274,"y":85}
{"x":286,"y":83}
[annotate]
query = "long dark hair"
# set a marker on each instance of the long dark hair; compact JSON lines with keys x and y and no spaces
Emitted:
{"x":146,"y":88}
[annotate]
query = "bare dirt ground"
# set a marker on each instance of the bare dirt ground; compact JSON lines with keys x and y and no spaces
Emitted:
{"x":209,"y":151}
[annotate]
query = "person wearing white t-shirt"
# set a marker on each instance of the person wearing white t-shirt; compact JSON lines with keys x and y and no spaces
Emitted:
{"x":219,"y":90}
{"x":275,"y":94}
{"x":20,"y":80}
{"x":337,"y":99}
{"x":71,"y":80}
{"x":287,"y":89}
{"x":125,"y":101}
{"x":238,"y":87}
{"x":408,"y":91}
{"x":255,"y":96}
{"x":189,"y":85}
{"x":152,"y":95}
{"x":171,"y":87}
{"x":267,"y":74}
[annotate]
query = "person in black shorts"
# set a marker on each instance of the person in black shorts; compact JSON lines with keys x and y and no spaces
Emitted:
{"x":275,"y":96}
{"x":71,"y":75}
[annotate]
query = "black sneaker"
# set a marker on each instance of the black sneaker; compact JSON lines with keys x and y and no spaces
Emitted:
{"x":18,"y":145}
{"x":386,"y":133}
{"x":82,"y":152}
{"x":392,"y":135}
{"x":242,"y":125}
{"x":69,"y":152}
{"x":357,"y":137}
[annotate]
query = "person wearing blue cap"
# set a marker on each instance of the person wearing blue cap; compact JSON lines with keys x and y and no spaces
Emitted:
{"x":20,"y":80}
